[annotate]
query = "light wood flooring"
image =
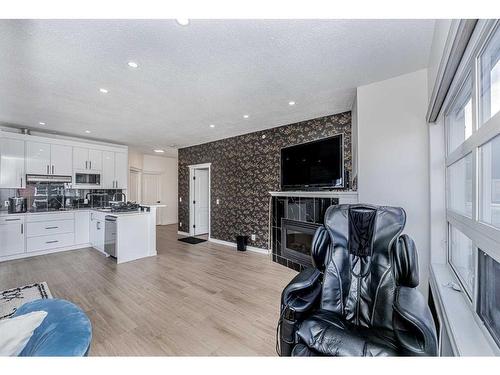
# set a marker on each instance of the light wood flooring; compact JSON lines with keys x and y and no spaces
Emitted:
{"x":204,"y":299}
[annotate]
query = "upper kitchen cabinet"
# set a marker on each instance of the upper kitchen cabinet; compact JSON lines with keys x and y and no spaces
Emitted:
{"x":60,"y":157}
{"x":48,"y":159}
{"x":12,"y":163}
{"x":87,"y":159}
{"x":37,"y":158}
{"x":121,"y":170}
{"x":114,"y":170}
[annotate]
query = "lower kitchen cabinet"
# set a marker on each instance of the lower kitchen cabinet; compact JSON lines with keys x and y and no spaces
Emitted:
{"x":12,"y":236}
{"x":97,"y":231}
{"x":51,"y":241}
{"x":82,"y":227}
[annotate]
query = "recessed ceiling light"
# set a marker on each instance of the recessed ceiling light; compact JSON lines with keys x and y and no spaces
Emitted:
{"x":104,"y":91}
{"x":291,"y":102}
{"x":133,"y":64}
{"x":87,"y":131}
{"x":159,"y":151}
{"x":182,"y":21}
{"x":212,"y":125}
{"x":246,"y":116}
{"x":41,"y":123}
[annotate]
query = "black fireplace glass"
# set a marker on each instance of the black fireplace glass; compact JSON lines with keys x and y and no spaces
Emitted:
{"x":299,"y":241}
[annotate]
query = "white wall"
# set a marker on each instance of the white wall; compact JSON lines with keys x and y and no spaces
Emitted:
{"x":393,"y":153}
{"x":354,"y":139}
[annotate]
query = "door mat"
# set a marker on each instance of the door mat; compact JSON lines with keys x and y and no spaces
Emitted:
{"x":192,"y":240}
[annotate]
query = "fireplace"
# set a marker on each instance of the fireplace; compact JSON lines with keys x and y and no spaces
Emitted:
{"x":296,"y":240}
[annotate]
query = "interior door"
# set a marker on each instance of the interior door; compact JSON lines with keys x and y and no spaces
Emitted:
{"x":135,"y":188}
{"x":61,"y":160}
{"x":12,"y":163}
{"x":37,"y":158}
{"x":201,"y":197}
{"x":151,"y":193}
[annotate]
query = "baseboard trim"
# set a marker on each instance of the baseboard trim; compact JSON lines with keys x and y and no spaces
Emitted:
{"x":233,"y":244}
{"x":182,"y":233}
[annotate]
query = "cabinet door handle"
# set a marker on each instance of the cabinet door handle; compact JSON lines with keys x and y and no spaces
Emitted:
{"x":21,"y":182}
{"x":48,"y":169}
{"x":54,"y":241}
{"x":86,"y":164}
{"x":51,"y":227}
{"x":12,"y":219}
{"x":90,"y":163}
{"x":22,"y":228}
{"x":52,"y":169}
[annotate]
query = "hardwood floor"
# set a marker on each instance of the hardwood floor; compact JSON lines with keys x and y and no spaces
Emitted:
{"x":204,"y":299}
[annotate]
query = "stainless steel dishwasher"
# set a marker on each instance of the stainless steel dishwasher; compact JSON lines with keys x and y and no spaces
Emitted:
{"x":110,"y":235}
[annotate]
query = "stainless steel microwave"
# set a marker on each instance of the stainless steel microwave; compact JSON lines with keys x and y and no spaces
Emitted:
{"x":87,"y":179}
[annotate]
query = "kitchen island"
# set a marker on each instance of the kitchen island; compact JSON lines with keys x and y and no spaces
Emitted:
{"x":37,"y":233}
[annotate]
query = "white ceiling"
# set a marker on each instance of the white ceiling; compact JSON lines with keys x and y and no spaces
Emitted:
{"x":209,"y":72}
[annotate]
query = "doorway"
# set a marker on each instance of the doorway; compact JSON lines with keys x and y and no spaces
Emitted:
{"x":199,"y":199}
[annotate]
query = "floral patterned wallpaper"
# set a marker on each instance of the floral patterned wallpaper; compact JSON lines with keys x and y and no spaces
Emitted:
{"x":245,"y":169}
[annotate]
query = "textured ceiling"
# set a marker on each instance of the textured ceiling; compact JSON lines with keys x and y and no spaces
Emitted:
{"x":209,"y":72}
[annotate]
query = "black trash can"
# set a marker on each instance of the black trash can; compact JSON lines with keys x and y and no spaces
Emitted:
{"x":241,"y":243}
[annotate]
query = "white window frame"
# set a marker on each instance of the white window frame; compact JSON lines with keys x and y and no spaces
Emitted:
{"x":484,"y":236}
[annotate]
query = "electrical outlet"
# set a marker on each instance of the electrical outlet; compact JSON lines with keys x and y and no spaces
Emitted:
{"x":217,"y":201}
{"x":253,"y":237}
{"x":180,"y":199}
{"x":6,"y":203}
{"x":180,"y":224}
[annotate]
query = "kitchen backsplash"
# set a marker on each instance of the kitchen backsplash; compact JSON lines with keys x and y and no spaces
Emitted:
{"x":43,"y":196}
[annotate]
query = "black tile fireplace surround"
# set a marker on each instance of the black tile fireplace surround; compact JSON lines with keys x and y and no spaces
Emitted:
{"x":293,"y":223}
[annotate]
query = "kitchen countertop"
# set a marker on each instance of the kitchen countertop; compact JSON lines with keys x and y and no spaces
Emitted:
{"x":5,"y":213}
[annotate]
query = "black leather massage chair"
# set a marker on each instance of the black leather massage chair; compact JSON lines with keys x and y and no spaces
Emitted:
{"x":360,"y":296}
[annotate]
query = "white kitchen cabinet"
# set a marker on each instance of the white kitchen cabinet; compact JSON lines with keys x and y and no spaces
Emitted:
{"x":95,"y":160}
{"x":12,"y":163}
{"x":61,"y":160}
{"x":97,"y":232}
{"x":108,"y":170}
{"x":114,"y":170}
{"x":12,"y":236}
{"x":82,"y":227}
{"x":121,"y":170}
{"x":45,"y":158}
{"x":37,"y":158}
{"x":86,"y":159}
{"x":80,"y":158}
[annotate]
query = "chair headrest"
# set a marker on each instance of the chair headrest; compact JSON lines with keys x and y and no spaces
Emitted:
{"x":362,"y":220}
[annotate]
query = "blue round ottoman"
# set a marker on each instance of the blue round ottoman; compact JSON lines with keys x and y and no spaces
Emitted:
{"x":65,"y":331}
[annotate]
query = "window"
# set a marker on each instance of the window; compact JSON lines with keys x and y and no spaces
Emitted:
{"x":459,"y":118}
{"x":462,"y":257}
{"x":460,"y":186}
{"x":490,"y":79}
{"x":489,"y":294}
{"x":490,"y":182}
{"x":473,"y":173}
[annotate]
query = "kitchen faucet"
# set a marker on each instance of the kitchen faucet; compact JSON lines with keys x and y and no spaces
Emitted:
{"x":122,"y":194}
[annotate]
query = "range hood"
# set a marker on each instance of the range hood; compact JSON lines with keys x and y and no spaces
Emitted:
{"x":48,"y":178}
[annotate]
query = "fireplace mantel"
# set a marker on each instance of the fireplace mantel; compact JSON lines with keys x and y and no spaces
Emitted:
{"x":344,"y":197}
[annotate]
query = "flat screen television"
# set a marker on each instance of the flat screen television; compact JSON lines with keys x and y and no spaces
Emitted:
{"x":314,"y":165}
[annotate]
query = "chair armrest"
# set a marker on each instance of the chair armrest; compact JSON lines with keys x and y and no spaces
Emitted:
{"x":301,"y":293}
{"x":413,"y":323}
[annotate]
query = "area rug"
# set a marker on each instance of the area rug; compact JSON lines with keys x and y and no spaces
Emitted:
{"x":192,"y":240}
{"x":11,"y":299}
